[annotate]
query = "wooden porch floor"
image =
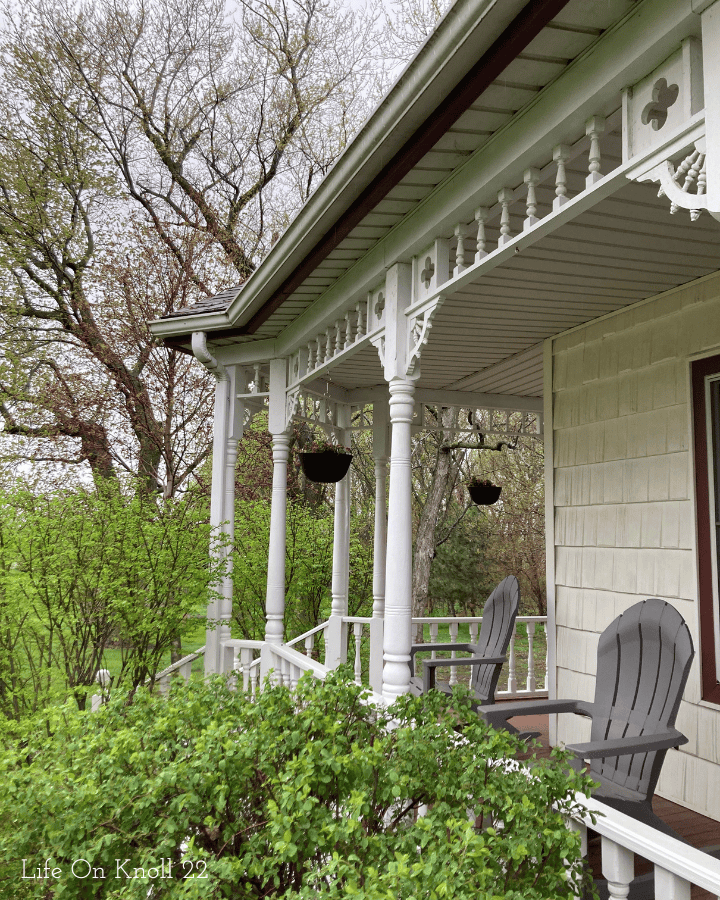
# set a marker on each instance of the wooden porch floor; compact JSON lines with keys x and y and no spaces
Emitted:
{"x":697,"y":830}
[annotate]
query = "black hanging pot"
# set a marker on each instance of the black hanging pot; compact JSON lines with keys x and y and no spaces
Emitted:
{"x":484,"y":494}
{"x":325,"y":466}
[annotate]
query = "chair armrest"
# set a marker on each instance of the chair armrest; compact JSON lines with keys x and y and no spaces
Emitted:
{"x":422,"y":648}
{"x":645,"y":743}
{"x":431,"y":664}
{"x":498,"y":714}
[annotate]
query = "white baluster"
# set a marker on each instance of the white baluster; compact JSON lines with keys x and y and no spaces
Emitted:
{"x":593,"y":129}
{"x":505,"y":198}
{"x":481,"y":217}
{"x":368,"y":311}
{"x":433,"y":639}
{"x":561,"y":154}
{"x":453,"y":629}
{"x":246,"y":657}
{"x":349,"y":331}
{"x":580,"y":827}
{"x":460,"y":234}
{"x":254,"y":678}
{"x":669,"y":886}
{"x":339,"y":335}
{"x":184,"y":670}
{"x":357,"y":632}
{"x":512,"y":678}
{"x":531,"y":179}
{"x":360,"y":320}
{"x":311,"y":347}
{"x":320,"y":355}
{"x":473,"y":632}
{"x":257,"y":380}
{"x":531,"y":658}
{"x":309,"y":645}
{"x":329,"y":343}
{"x":618,"y":866}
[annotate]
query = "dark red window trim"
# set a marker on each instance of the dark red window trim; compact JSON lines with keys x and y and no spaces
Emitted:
{"x":700,"y":369}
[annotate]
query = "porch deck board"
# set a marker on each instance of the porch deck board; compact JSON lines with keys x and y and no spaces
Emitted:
{"x":699,"y":831}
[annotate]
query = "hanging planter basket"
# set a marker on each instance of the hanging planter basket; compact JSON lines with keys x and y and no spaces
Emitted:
{"x":484,"y":493}
{"x":325,"y":466}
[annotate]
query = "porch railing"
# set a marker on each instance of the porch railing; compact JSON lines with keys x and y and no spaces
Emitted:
{"x":525,"y":677}
{"x":677,"y":867}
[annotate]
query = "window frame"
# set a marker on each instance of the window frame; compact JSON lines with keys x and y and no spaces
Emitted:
{"x":703,"y":371}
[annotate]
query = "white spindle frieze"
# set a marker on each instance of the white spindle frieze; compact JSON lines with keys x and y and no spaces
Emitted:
{"x":361,"y":320}
{"x":531,"y":179}
{"x":482,"y":214}
{"x":593,"y":129}
{"x":505,"y":198}
{"x":561,"y":155}
{"x":460,"y":235}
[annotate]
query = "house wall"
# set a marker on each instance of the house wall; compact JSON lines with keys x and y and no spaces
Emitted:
{"x":624,"y":512}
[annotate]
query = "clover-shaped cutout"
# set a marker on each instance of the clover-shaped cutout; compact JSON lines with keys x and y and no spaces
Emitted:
{"x":380,"y":306}
{"x":427,"y":273}
{"x":663,"y":97}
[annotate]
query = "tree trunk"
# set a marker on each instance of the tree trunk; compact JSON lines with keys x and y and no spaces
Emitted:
{"x":446,"y":469}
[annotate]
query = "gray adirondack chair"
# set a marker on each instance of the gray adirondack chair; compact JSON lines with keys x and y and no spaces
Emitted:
{"x":643,"y":662}
{"x":487,"y":656}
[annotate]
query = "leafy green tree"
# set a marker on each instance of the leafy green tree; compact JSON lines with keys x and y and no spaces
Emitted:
{"x":515,"y":526}
{"x":308,"y":568}
{"x":150,"y":152}
{"x":311,"y":793}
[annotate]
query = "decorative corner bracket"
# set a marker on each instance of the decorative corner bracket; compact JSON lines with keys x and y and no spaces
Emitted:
{"x":291,"y":405}
{"x":685,"y":187}
{"x":419,"y":327}
{"x":378,"y":343}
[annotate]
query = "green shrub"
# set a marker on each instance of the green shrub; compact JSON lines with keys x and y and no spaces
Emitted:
{"x":82,"y":570}
{"x":294,"y":795}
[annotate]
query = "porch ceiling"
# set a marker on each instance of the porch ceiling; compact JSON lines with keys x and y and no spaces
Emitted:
{"x":487,"y":336}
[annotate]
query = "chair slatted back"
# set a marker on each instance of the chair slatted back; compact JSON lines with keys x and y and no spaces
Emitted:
{"x":498,"y":621}
{"x":644,"y":659}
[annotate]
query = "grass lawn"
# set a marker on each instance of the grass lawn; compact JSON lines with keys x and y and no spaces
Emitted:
{"x":521,"y":654}
{"x":112,"y":659}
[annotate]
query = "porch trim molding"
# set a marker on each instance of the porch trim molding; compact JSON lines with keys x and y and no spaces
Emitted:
{"x":549,"y":460}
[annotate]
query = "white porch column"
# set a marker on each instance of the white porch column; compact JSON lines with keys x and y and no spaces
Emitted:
{"x":275,"y":598}
{"x":398,"y":577}
{"x":235,"y":422}
{"x":380,"y":451}
{"x":395,"y":354}
{"x":341,"y":532}
{"x":336,"y":634}
{"x":221,"y":415}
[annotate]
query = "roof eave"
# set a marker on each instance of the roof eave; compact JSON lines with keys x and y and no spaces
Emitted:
{"x":465,"y":33}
